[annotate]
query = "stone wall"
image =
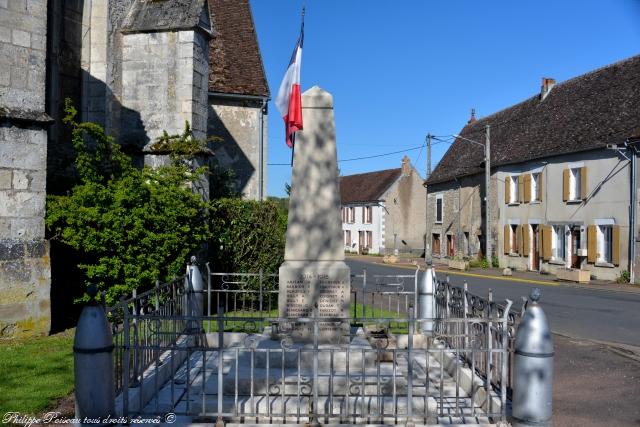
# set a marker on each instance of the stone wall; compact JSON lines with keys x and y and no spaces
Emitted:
{"x":405,"y":218}
{"x":462,"y":216}
{"x":23,"y":31}
{"x":164,"y":80}
{"x":24,"y":254}
{"x":238,"y":123}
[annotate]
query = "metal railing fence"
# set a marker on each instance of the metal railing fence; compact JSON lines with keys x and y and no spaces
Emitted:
{"x":218,"y":368}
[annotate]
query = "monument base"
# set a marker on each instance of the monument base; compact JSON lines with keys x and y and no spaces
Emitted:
{"x":315,"y":289}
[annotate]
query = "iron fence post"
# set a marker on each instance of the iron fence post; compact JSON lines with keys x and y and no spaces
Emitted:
{"x":465,"y":313}
{"x":220,"y":359}
{"x":125,"y":361}
{"x":487,"y":380}
{"x":313,"y":418}
{"x":136,"y":340}
{"x":410,"y":369}
{"x":505,"y":356}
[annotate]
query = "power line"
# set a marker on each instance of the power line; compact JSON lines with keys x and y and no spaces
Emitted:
{"x":382,"y":155}
{"x":362,"y":158}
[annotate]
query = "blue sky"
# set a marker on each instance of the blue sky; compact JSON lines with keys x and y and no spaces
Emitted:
{"x":400,"y":69}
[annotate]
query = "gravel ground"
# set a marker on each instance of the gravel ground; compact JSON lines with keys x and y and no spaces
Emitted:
{"x":594,"y":385}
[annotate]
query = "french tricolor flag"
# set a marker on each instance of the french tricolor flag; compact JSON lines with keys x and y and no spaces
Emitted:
{"x":289,"y":101}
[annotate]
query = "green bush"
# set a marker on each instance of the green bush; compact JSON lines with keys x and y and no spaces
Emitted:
{"x":625,"y":277}
{"x":247,"y":236}
{"x":134,"y":225}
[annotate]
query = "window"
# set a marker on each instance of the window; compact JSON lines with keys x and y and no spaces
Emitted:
{"x":536,"y":189}
{"x":368,"y":239}
{"x":367,"y":215}
{"x":558,"y":243}
{"x":351,"y":214}
{"x":574,"y":184}
{"x":512,"y":194}
{"x":439,"y":208}
{"x":605,"y":243}
{"x":343,"y":212}
{"x":347,"y":238}
{"x":514,"y":238}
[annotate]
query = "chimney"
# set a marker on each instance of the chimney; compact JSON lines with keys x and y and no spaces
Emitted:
{"x":547,"y":85}
{"x":473,"y":116}
{"x":406,"y":166}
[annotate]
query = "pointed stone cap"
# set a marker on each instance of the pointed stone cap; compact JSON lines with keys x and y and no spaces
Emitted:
{"x":316,"y":97}
{"x":314,"y":230}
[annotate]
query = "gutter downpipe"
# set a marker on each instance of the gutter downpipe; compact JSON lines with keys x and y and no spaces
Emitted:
{"x":632,"y":225}
{"x":261,"y":152}
{"x":263,"y":108}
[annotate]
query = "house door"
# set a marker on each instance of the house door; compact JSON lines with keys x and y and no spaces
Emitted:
{"x":435,"y":245}
{"x":361,"y":243}
{"x":575,"y":245}
{"x":535,"y":248}
{"x":451,"y":245}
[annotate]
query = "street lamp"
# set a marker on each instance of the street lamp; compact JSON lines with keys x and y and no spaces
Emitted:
{"x":487,"y":177}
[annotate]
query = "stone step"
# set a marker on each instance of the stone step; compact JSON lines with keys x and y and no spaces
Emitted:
{"x":329,"y":357}
{"x":337,"y":383}
{"x":362,"y":409}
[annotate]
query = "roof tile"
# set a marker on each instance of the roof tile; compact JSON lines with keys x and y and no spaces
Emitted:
{"x":580,"y":114}
{"x":235,"y":64}
{"x":366,"y":187}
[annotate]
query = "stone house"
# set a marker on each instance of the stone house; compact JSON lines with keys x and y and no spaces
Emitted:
{"x":137,"y":68}
{"x":561,"y":180}
{"x":238,"y":95}
{"x":383,"y":211}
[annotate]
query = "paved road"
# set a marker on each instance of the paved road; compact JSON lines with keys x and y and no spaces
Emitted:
{"x":602,"y":315}
{"x":594,"y":384}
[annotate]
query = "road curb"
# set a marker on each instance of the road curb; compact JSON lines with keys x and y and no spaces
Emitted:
{"x":625,"y":350}
{"x":599,"y":288}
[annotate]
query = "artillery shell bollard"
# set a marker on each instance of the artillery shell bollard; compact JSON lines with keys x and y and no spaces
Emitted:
{"x":533,"y":368}
{"x":93,"y":365}
{"x":426,"y":307}
{"x":195,"y":296}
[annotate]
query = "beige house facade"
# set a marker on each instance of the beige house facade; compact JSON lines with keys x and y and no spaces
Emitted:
{"x":561,"y":193}
{"x":569,"y":211}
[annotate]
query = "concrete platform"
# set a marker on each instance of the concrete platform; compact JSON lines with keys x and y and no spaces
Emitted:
{"x":280,"y":395}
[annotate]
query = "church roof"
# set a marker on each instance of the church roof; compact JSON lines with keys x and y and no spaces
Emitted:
{"x":367,"y":187}
{"x":584,"y":113}
{"x":235,"y":64}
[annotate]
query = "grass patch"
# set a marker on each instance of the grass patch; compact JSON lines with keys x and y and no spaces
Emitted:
{"x":36,"y":372}
{"x":256,"y":326}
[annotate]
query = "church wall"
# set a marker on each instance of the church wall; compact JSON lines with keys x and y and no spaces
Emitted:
{"x":164,"y":83}
{"x":24,"y":254}
{"x":237,"y":122}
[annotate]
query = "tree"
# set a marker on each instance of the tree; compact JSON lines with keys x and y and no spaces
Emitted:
{"x":134,"y":225}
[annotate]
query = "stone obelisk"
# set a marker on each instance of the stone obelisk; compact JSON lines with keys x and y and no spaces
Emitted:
{"x":314,"y":279}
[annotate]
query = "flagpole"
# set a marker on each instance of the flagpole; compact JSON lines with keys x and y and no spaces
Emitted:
{"x":293,"y":146}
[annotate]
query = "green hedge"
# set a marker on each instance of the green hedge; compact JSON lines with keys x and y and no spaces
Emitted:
{"x":247,"y":236}
{"x":134,"y":226}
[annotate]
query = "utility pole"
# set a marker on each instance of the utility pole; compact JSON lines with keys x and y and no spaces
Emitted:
{"x":487,"y":181}
{"x":428,"y":155}
{"x":426,"y":204}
